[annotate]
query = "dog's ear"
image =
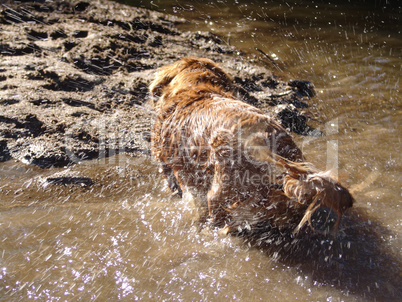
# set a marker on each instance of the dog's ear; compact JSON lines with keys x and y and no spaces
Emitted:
{"x":162,"y":79}
{"x":166,"y":74}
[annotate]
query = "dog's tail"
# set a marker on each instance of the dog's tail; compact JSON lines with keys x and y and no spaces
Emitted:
{"x":305,"y":184}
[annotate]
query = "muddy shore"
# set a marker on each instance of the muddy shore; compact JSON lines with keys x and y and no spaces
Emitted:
{"x":74,"y":78}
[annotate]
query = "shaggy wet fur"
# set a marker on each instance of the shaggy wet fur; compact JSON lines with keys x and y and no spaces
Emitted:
{"x":239,"y":161}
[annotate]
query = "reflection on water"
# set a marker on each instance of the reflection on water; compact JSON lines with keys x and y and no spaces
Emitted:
{"x":125,"y":237}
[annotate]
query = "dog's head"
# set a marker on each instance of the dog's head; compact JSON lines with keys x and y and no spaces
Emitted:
{"x":189,"y":74}
{"x":318,"y":190}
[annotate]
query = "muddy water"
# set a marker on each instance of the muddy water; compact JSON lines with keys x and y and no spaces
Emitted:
{"x":125,"y":237}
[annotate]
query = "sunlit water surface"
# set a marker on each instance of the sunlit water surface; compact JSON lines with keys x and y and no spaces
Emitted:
{"x":127,"y":238}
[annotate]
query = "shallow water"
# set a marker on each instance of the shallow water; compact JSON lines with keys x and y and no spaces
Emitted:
{"x":127,"y":238}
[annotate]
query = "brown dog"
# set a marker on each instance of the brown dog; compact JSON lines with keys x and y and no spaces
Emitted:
{"x":238,"y":160}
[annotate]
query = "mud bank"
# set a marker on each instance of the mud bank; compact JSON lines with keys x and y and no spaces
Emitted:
{"x":74,"y":78}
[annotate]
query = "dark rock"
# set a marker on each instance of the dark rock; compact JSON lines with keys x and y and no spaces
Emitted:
{"x":157,"y":42}
{"x":42,"y":102}
{"x":305,"y":88}
{"x":249,"y":85}
{"x":4,"y":152}
{"x":78,"y":103}
{"x":294,"y":121}
{"x":68,"y":180}
{"x":81,"y":6}
{"x":140,"y":39}
{"x":19,"y":49}
{"x":40,"y":153}
{"x":73,"y":83}
{"x":11,"y":16}
{"x":80,"y":34}
{"x":97,"y":65}
{"x":58,"y":33}
{"x":29,"y":122}
{"x":68,"y":45}
{"x":34,"y":35}
{"x":9,"y":102}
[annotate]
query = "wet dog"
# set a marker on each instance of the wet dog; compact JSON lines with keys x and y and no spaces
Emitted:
{"x":239,"y":161}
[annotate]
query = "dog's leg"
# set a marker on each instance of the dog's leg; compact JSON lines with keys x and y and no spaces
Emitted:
{"x":171,"y":179}
{"x":222,"y":195}
{"x":214,"y":193}
{"x":219,"y":195}
{"x":221,"y":144}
